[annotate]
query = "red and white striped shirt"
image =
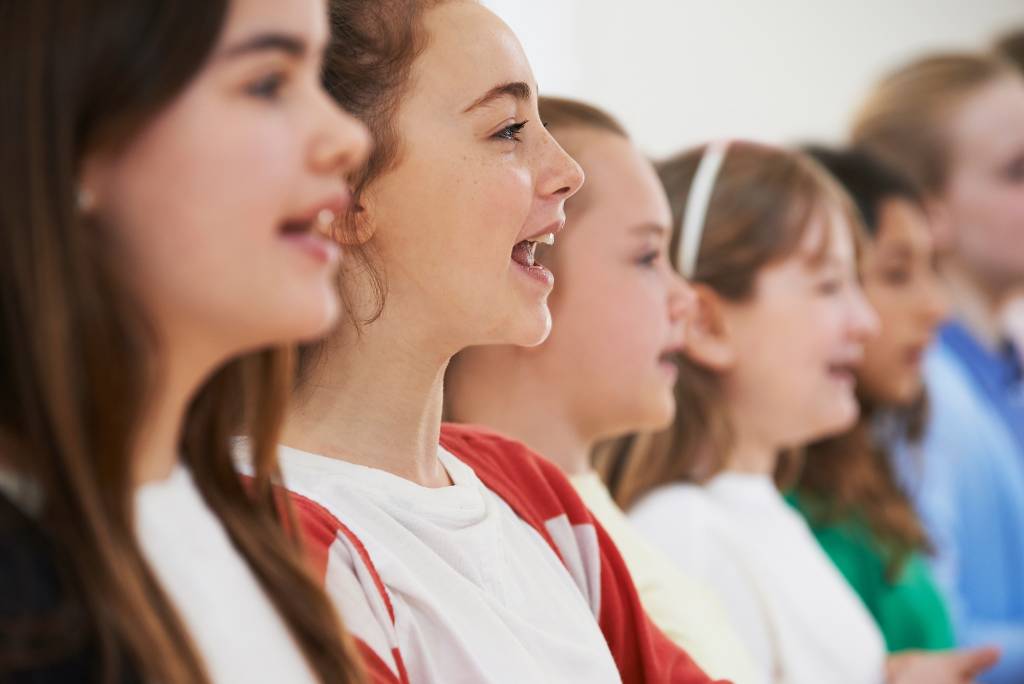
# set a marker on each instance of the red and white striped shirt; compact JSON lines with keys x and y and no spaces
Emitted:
{"x":433,"y":589}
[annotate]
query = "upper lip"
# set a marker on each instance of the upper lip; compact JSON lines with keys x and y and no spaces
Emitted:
{"x":337,"y":203}
{"x":550,"y":228}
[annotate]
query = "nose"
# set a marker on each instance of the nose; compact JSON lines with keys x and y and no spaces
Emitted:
{"x":341,"y":142}
{"x":561,"y":176}
{"x":863,"y":319}
{"x":682,"y":299}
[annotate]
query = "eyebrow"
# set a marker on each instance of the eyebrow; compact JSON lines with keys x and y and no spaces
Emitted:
{"x":515,"y":89}
{"x":645,"y":229}
{"x":268,"y":42}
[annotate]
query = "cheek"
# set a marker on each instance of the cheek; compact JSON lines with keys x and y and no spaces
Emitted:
{"x":196,"y":205}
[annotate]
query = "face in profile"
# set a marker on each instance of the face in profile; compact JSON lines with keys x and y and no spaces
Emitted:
{"x":983,"y":201}
{"x":619,"y":307}
{"x":798,"y":342}
{"x":478,"y":183}
{"x":214,"y":209}
{"x":900,"y":282}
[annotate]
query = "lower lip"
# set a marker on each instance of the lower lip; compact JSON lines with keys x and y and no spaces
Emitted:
{"x":315,"y":246}
{"x":846,"y":378}
{"x":537,"y":273}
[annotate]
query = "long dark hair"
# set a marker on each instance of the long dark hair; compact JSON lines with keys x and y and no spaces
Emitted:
{"x":76,"y":353}
{"x":851,"y":474}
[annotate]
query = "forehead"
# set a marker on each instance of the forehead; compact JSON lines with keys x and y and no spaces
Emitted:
{"x":469,"y":51}
{"x":828,"y":239}
{"x":303,"y":18}
{"x":902,"y":224}
{"x":621,"y":183}
{"x":992,"y":120}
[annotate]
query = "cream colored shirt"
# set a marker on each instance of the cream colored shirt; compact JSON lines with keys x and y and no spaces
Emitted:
{"x":687,"y":611}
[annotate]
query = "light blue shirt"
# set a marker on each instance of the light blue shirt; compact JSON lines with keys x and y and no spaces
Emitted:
{"x":967,"y":481}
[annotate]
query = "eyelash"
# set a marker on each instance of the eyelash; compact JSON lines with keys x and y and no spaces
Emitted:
{"x":267,"y":87}
{"x":511,"y":132}
{"x":649,"y":260}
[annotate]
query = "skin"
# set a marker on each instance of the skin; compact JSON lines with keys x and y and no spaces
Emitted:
{"x":195,"y":206}
{"x":901,"y":283}
{"x":468,"y":186}
{"x":979,"y":215}
{"x":619,"y":313}
{"x":787,"y":356}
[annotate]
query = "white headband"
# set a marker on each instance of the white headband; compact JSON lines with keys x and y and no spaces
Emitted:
{"x":694,"y":219}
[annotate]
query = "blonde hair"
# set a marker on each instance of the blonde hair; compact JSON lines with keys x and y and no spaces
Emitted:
{"x":904,"y":120}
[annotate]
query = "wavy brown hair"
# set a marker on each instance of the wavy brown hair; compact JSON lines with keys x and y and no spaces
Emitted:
{"x":851,"y":474}
{"x":76,"y":354}
{"x":764,"y":200}
{"x":367,"y":70}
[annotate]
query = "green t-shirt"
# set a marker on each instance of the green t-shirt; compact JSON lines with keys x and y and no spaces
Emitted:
{"x":909,"y":611}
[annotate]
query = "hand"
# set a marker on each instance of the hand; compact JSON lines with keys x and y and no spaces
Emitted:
{"x":940,"y":667}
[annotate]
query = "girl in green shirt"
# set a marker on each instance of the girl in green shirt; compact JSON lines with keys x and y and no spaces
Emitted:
{"x":847,"y":488}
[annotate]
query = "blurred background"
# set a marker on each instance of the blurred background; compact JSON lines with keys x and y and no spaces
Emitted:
{"x":680,"y":72}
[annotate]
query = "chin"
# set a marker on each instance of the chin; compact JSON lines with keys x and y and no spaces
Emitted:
{"x":530,"y":330}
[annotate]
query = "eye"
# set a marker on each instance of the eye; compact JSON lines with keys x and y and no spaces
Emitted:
{"x":267,"y":87}
{"x":896,"y":276}
{"x":511,"y":132}
{"x":649,"y":259}
{"x":830,"y":286}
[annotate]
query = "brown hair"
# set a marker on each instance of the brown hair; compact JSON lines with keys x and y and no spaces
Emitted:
{"x":851,"y":474}
{"x":905,"y":117}
{"x":764,"y":200}
{"x":1011,"y":48}
{"x":367,"y":70}
{"x":76,"y":353}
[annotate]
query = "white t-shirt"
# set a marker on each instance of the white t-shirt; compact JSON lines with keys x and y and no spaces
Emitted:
{"x":686,"y":609}
{"x":478,"y":595}
{"x":801,"y":621}
{"x":236,"y":629}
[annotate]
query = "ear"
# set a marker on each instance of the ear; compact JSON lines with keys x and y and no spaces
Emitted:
{"x":940,"y":221}
{"x":362,"y":227}
{"x":709,"y":343}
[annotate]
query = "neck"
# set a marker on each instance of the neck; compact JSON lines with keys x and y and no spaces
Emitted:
{"x":489,"y":388}
{"x":156,"y":445}
{"x":751,"y":453}
{"x":375,"y":400}
{"x":978,"y":307}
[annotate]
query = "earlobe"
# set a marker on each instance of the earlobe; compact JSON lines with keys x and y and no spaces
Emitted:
{"x":709,"y":343}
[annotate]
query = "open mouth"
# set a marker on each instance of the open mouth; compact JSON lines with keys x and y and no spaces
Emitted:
{"x":844,"y":372}
{"x":311,"y":235}
{"x":525,"y":252}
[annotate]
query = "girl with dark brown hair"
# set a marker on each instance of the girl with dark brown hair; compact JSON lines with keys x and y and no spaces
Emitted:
{"x":453,"y":553}
{"x":848,"y":489}
{"x":954,"y":124}
{"x":164,"y":168}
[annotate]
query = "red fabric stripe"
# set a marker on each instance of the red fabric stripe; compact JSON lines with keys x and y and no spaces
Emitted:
{"x":321,"y":530}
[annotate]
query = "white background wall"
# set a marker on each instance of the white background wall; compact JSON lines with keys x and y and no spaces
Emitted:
{"x":678,"y":72}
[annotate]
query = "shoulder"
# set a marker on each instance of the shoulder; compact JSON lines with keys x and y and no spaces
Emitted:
{"x":678,"y":519}
{"x":533,"y":486}
{"x":672,"y":502}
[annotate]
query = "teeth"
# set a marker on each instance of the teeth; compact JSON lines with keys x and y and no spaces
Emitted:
{"x":531,"y":254}
{"x":546,"y":239}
